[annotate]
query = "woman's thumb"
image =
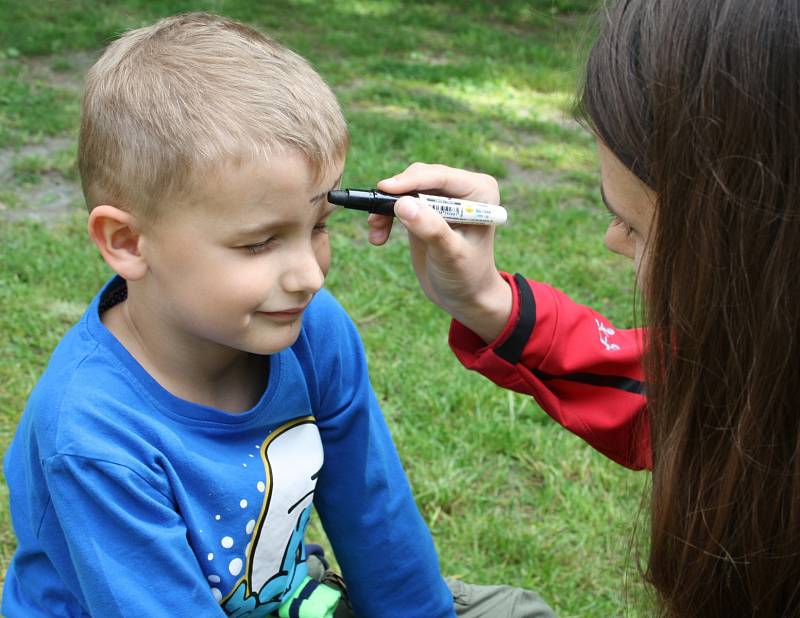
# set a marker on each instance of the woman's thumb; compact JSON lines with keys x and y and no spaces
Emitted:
{"x":422,"y":221}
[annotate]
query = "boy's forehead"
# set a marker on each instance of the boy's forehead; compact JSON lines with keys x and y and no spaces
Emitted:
{"x":268,"y":178}
{"x":241,"y":191}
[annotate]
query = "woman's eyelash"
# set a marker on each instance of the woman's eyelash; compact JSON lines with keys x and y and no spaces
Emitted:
{"x":615,"y":220}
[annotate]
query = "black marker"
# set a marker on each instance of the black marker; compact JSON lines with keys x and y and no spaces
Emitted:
{"x":451,"y":209}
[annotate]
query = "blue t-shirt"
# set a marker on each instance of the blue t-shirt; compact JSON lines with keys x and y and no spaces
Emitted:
{"x":128,"y":501}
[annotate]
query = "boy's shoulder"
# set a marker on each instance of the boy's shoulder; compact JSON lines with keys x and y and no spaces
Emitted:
{"x":76,"y":365}
{"x":326,"y":318}
{"x":83,"y":391}
{"x":330,"y":331}
{"x":324,"y":304}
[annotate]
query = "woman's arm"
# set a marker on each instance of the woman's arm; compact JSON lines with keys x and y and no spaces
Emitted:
{"x":524,"y":336}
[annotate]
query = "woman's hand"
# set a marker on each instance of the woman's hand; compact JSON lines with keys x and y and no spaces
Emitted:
{"x":455,"y":265}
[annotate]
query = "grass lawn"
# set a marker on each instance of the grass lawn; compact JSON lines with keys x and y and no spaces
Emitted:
{"x":510,"y":496}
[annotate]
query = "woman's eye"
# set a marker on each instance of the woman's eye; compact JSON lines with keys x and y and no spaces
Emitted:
{"x":626,"y":227}
{"x":322,"y":226}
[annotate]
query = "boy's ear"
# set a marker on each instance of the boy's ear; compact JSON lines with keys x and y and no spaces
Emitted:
{"x":114,"y":232}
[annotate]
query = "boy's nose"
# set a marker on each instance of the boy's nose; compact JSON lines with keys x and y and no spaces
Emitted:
{"x":305,"y":275}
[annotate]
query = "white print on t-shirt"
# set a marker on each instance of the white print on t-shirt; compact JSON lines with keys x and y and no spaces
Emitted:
{"x":605,"y":332}
{"x":292,"y":458}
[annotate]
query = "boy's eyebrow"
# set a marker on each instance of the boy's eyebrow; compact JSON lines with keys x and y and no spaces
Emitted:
{"x":262,"y":228}
{"x":256,"y":229}
{"x":316,"y":198}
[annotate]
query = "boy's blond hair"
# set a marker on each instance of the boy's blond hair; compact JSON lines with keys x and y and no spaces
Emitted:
{"x":166,"y":103}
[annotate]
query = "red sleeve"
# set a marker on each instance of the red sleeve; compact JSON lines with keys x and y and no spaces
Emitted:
{"x":581,"y":370}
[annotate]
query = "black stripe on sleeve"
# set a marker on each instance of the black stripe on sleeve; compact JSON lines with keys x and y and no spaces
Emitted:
{"x":629,"y":385}
{"x":511,"y":349}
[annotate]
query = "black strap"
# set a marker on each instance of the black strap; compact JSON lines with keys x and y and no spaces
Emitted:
{"x":115,"y":293}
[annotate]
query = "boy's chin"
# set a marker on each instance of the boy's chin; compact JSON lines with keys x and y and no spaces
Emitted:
{"x":275,"y":343}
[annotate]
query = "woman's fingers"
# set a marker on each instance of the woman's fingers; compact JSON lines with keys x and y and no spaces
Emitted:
{"x":380,"y":227}
{"x":449,"y":181}
{"x":427,"y":226}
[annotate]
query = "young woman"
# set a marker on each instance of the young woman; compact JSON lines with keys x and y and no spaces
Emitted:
{"x":696,"y":108}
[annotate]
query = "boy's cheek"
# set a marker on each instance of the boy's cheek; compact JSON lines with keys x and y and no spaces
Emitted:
{"x":323,"y":252}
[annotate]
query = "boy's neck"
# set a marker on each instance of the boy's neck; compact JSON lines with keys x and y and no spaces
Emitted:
{"x":206,"y":374}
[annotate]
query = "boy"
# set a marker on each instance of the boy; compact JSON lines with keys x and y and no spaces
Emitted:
{"x":167,"y":461}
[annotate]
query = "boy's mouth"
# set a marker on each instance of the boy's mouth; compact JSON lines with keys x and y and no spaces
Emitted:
{"x":284,"y":314}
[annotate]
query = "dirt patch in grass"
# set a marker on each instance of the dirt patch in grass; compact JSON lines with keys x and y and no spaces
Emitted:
{"x":528,"y":176}
{"x":65,"y":71}
{"x":47,"y":194}
{"x":50,"y":197}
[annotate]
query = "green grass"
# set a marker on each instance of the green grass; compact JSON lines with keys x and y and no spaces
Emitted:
{"x":510,"y":496}
{"x":29,"y":110}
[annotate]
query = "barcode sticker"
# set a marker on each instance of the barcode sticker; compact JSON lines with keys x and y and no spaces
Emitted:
{"x":447,"y":210}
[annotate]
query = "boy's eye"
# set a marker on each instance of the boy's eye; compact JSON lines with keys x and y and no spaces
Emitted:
{"x":259,"y":247}
{"x":322,"y":226}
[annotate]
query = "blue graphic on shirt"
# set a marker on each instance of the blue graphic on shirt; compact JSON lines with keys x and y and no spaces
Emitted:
{"x":276,"y":560}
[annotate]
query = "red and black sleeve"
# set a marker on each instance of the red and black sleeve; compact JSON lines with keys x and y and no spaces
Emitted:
{"x":582,"y":371}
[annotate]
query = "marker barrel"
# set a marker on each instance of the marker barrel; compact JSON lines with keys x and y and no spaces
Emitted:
{"x":451,"y":209}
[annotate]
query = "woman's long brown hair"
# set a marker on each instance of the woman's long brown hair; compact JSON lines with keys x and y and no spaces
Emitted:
{"x":701,"y":100}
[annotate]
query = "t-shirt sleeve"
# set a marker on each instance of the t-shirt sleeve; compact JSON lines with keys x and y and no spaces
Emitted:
{"x":382,"y":543}
{"x":126,"y":542}
{"x":582,"y":370}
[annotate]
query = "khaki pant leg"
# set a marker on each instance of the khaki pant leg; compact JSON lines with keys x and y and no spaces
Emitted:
{"x":473,"y":601}
{"x":470,"y":600}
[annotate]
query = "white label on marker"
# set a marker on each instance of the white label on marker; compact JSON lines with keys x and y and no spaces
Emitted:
{"x":465,"y":211}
